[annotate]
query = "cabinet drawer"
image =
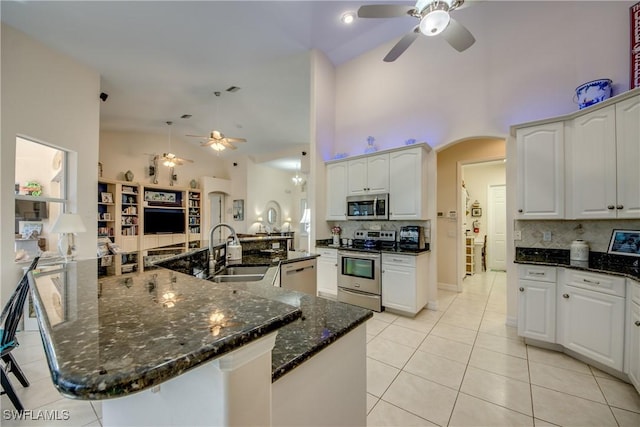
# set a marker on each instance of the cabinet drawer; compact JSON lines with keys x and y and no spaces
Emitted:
{"x":327,"y":253}
{"x":537,"y":272}
{"x":596,"y":282}
{"x":634,"y":289}
{"x":408,"y":261}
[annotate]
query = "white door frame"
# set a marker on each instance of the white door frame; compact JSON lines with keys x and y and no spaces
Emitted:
{"x":460,"y":244}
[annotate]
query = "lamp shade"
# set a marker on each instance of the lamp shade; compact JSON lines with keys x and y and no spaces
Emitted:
{"x":68,"y":223}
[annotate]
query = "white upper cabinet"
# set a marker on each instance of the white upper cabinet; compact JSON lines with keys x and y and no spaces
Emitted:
{"x":337,"y":191}
{"x":628,"y":156}
{"x":604,"y":155}
{"x":592,"y":156}
{"x":369,"y":175}
{"x":540,"y":179}
{"x":407,"y":182}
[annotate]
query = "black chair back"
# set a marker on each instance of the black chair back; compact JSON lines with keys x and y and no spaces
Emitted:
{"x":12,"y":312}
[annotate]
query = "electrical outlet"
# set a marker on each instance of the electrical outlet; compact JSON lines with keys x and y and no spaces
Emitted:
{"x":517,"y":235}
{"x":546,"y":236}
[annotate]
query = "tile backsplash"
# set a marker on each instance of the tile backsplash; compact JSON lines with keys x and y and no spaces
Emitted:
{"x":349,"y":227}
{"x":596,"y":232}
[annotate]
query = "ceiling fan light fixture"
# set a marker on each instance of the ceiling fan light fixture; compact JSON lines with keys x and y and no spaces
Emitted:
{"x":435,"y":21}
{"x":348,"y":17}
{"x":217,"y":146}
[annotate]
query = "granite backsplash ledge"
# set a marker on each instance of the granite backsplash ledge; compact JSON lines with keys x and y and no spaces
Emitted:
{"x":598,"y":261}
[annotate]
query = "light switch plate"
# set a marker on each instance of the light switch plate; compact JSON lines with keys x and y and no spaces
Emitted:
{"x":517,"y":235}
{"x":546,"y":236}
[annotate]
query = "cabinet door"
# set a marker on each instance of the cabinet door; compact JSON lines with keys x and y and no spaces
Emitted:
{"x":406,"y":200}
{"x":378,"y":174}
{"x":593,"y":325}
{"x":628,"y":158}
{"x":540,"y":181}
{"x":337,"y":191}
{"x":357,"y":177}
{"x":593,"y":165}
{"x":399,"y":288}
{"x":327,"y":279}
{"x":634,"y":345}
{"x":537,"y":310}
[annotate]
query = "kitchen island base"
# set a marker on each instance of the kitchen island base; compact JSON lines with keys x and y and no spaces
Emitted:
{"x":328,"y":389}
{"x":232,"y":390}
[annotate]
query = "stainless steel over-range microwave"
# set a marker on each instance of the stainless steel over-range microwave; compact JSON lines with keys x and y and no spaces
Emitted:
{"x":368,"y":206}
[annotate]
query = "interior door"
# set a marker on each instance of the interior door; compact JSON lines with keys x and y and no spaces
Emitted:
{"x":497,"y":228}
{"x":216,"y":209}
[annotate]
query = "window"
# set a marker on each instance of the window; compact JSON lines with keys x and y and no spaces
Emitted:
{"x":40,"y":196}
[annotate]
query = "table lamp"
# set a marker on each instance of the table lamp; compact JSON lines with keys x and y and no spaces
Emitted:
{"x":67,"y":225}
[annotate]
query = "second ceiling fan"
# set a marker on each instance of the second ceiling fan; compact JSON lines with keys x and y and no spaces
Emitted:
{"x":434,"y":20}
{"x":216,"y":139}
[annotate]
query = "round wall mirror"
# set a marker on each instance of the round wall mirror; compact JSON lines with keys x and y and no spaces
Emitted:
{"x":272,"y":210}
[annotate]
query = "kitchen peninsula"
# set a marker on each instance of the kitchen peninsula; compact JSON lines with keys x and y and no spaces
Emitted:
{"x":161,"y":347}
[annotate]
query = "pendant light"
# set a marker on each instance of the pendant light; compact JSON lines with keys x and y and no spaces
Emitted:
{"x":169,"y":158}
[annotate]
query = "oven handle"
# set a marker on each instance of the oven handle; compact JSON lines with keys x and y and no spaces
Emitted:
{"x":355,"y":254}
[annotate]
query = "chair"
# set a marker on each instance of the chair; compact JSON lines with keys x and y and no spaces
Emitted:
{"x":9,"y":319}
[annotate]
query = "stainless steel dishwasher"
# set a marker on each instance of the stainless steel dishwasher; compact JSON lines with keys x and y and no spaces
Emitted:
{"x":299,"y":276}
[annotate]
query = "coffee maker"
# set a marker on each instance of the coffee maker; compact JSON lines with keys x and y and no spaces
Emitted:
{"x":411,"y":238}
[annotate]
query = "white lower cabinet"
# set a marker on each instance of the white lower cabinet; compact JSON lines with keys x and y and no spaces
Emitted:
{"x":592,"y":308}
{"x":327,"y":279}
{"x":537,"y":303}
{"x":404,"y":282}
{"x":633,"y":334}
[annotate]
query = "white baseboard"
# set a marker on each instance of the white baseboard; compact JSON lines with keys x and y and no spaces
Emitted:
{"x":447,"y":287}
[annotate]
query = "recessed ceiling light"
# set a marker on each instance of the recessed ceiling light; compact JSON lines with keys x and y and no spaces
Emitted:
{"x":348,"y":17}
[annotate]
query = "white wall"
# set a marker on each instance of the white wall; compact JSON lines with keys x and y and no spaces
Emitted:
{"x":525,"y":65}
{"x":122,"y":151}
{"x":48,"y":97}
{"x":263,"y":185}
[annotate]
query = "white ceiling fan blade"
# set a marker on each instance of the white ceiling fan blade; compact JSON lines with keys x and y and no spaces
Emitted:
{"x":402,"y":45}
{"x":384,"y":11}
{"x":198,"y":136}
{"x":458,"y":36}
{"x":227,"y":144}
{"x":236,"y":139}
{"x":208,"y":143}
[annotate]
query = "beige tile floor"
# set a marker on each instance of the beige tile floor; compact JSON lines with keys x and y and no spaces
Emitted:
{"x":462,"y":366}
{"x":459,"y":366}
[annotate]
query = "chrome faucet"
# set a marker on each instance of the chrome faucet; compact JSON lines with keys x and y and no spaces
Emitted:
{"x":234,"y":245}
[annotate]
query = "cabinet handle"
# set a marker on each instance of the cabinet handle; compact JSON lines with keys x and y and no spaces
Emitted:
{"x":611,"y":207}
{"x":536,"y":273}
{"x":591,"y":282}
{"x":637,"y":323}
{"x":565,"y":295}
{"x":521,"y":289}
{"x":619,"y":207}
{"x":520,"y":210}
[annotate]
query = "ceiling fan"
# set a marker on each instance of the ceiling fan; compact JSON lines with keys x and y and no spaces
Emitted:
{"x":170,"y":159}
{"x":434,"y":20}
{"x":218,"y":141}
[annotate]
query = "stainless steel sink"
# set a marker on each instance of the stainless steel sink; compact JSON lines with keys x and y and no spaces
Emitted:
{"x":240,"y":273}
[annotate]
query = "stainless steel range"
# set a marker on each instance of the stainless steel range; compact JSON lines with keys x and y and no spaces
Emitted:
{"x":359,"y":269}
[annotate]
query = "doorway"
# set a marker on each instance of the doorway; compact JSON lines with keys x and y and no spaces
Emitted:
{"x":482,"y":217}
{"x":216,"y":209}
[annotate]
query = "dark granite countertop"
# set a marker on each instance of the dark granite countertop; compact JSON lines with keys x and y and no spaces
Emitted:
{"x":327,"y":244}
{"x":111,"y":336}
{"x":599,"y":262}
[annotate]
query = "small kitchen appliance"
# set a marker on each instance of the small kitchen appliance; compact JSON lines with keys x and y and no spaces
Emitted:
{"x":411,"y":238}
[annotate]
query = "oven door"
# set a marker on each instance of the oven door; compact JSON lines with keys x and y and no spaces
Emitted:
{"x":372,"y":206}
{"x":359,"y":271}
